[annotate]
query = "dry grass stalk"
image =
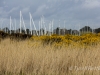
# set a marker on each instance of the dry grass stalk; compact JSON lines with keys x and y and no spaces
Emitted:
{"x":31,"y":58}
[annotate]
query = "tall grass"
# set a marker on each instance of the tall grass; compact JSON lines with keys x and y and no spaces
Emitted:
{"x":31,"y":58}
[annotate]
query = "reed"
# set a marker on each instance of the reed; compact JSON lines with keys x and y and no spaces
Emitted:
{"x":32,"y":58}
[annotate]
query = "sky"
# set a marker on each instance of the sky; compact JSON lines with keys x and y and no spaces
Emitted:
{"x":73,"y":12}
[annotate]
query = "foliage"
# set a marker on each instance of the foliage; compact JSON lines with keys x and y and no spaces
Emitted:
{"x":66,"y":40}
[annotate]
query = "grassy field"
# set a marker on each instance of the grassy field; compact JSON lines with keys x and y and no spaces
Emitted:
{"x":32,"y":58}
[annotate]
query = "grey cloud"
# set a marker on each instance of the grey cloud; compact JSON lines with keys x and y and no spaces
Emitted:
{"x":73,"y":11}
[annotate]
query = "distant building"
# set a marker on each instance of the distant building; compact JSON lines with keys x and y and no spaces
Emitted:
{"x":75,"y":32}
{"x":86,"y":29}
{"x":63,"y":31}
{"x":69,"y":31}
{"x":97,"y":30}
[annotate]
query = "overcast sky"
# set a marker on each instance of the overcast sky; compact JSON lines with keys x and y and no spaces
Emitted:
{"x":74,"y":12}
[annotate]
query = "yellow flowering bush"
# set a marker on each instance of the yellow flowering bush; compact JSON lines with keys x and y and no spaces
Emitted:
{"x":66,"y":40}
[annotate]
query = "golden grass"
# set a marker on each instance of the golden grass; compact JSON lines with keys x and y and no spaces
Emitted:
{"x":31,"y":58}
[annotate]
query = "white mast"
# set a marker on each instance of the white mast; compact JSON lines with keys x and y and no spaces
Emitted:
{"x":39,"y":28}
{"x":33,"y":23}
{"x":34,"y":26}
{"x":30,"y":24}
{"x":24,"y":25}
{"x":11,"y":25}
{"x":22,"y":21}
{"x":52,"y":26}
{"x":44,"y":24}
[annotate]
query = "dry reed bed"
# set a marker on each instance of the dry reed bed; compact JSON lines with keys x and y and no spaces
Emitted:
{"x":31,"y":58}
